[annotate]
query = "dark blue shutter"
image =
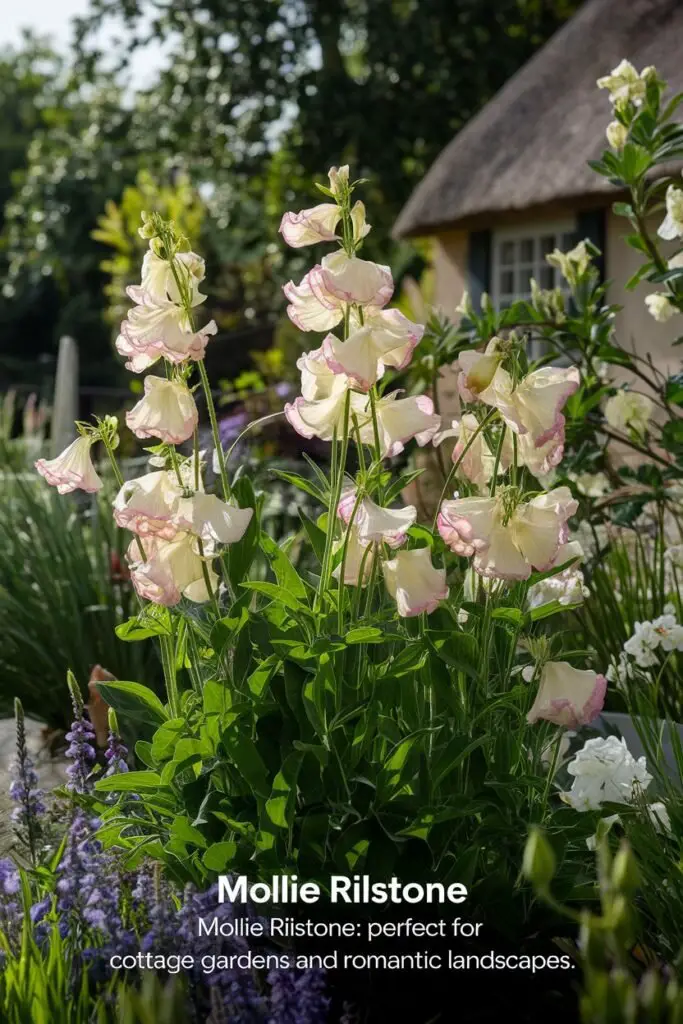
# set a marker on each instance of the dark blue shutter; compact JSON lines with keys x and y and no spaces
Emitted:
{"x":479,"y":265}
{"x":591,"y":224}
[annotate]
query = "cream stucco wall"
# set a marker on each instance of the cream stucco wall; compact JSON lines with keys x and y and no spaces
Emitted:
{"x":635,"y":328}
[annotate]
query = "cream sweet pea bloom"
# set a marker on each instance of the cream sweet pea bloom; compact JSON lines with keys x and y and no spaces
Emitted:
{"x":387,"y":339}
{"x":414,"y":583}
{"x":625,"y":84}
{"x":660,"y":307}
{"x":213,"y":520}
{"x":538,"y":460}
{"x":317,"y":379}
{"x":148,"y":505}
{"x":72,"y":469}
{"x":172,"y":569}
{"x":629,"y":410}
{"x":534,"y":406}
{"x":400,"y":420}
{"x":477,"y":370}
{"x":312,"y":309}
{"x":310,"y":226}
{"x":324,"y":417}
{"x":167,"y":411}
{"x":375,"y":524}
{"x":672,"y":225}
{"x":352,"y":280}
{"x":159,"y":280}
{"x":158,"y":327}
{"x":507,"y":539}
{"x":568,"y":696}
{"x":478,"y":461}
{"x":360,"y":556}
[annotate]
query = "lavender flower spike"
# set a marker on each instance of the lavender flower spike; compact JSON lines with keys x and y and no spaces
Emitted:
{"x":81,"y":738}
{"x":116,"y":753}
{"x":24,"y":789}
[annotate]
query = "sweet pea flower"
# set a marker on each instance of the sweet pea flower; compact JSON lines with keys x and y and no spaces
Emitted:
{"x":414,"y":583}
{"x":171,"y":570}
{"x":625,"y":84}
{"x":375,"y":524}
{"x":158,"y":327}
{"x":539,"y":461}
{"x":317,"y":379}
{"x":507,"y":538}
{"x":533,"y":407}
{"x":629,"y":410}
{"x":312,"y":310}
{"x":360,"y":555}
{"x":72,"y":469}
{"x":387,"y":339}
{"x":477,"y":370}
{"x":148,"y":505}
{"x":352,"y":280}
{"x":399,"y":420}
{"x":568,"y":696}
{"x":212,"y":519}
{"x":672,"y":225}
{"x":339,"y":179}
{"x":360,"y":225}
{"x":167,"y":411}
{"x":310,"y":226}
{"x":660,"y":306}
{"x":159,"y":280}
{"x":477,"y":462}
{"x":325,"y":417}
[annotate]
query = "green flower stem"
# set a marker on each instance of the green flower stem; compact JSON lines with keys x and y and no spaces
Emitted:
{"x":206,"y":386}
{"x":174,"y":463}
{"x":335,"y":496}
{"x":342,"y":567}
{"x":456,"y":465}
{"x":207,"y":577}
{"x":168,"y":662}
{"x":551,"y":771}
{"x":496,"y":463}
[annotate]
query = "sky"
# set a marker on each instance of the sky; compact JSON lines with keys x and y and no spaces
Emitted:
{"x":52,"y":17}
{"x":47,"y":17}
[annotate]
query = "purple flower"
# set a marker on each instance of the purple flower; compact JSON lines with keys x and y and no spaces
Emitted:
{"x":24,"y":789}
{"x":115,"y":755}
{"x":81,"y":751}
{"x":230,"y":427}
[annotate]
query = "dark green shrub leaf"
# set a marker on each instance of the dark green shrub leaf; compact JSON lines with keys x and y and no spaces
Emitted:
{"x":133,"y":700}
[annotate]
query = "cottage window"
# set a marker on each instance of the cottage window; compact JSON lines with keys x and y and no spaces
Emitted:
{"x":519,"y":254}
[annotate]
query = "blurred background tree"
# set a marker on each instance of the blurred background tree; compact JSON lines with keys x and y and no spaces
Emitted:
{"x":255,"y":100}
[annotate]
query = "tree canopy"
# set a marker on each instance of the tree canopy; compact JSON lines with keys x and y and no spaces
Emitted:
{"x":255,"y":100}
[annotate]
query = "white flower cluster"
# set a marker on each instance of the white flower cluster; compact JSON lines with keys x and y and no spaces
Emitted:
{"x":605,"y":770}
{"x":642,"y":650}
{"x":567,"y":587}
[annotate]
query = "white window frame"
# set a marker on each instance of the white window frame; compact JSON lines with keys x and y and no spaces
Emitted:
{"x":526,"y":232}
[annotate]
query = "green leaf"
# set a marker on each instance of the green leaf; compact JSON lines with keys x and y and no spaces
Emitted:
{"x":261,"y":676}
{"x":281,"y":804}
{"x":674,"y":389}
{"x":217,"y":697}
{"x":242,"y":750}
{"x":154,"y":620}
{"x":219,"y":856}
{"x":166,"y":737}
{"x":276,"y":592}
{"x":454,"y":754}
{"x":285,"y":573}
{"x":364,"y":635}
{"x":129,"y":782}
{"x":240,"y":556}
{"x":301,"y":484}
{"x":512,"y":615}
{"x":182,"y":829}
{"x":457,"y":649}
{"x":133,"y":700}
{"x":315,"y":535}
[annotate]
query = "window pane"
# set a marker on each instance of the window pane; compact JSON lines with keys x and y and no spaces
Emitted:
{"x":526,"y":250}
{"x":547,"y":244}
{"x":568,"y":241}
{"x":547,"y":277}
{"x":524,"y":275}
{"x":507,"y":282}
{"x":507,"y":252}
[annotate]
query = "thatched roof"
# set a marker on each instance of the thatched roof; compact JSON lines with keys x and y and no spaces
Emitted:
{"x":530,"y":144}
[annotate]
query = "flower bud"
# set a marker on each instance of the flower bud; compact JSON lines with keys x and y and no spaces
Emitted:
{"x":625,"y":875}
{"x":617,"y":134}
{"x":538,"y":864}
{"x":339,"y":179}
